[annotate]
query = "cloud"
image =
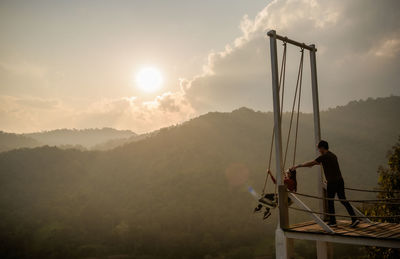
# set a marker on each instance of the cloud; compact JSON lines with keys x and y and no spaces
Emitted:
{"x":170,"y":102}
{"x":358,"y":55}
{"x":138,"y":115}
{"x":27,"y":114}
{"x":389,"y":48}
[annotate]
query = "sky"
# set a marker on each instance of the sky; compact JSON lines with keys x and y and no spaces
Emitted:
{"x":74,"y":64}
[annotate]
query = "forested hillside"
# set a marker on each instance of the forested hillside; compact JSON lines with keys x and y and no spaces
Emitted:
{"x":180,"y":193}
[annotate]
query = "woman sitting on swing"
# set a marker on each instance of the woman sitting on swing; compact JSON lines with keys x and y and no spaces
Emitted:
{"x":269,"y":199}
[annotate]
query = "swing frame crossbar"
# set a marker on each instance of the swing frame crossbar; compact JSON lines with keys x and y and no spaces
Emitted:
{"x":272,"y":33}
{"x":285,"y":233}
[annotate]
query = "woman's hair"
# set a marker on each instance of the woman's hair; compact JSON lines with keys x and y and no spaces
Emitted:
{"x":292,"y":176}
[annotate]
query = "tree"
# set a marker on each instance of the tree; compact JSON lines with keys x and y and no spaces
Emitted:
{"x":389,"y":182}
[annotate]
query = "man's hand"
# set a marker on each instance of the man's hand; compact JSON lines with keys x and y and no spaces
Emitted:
{"x":293,"y":168}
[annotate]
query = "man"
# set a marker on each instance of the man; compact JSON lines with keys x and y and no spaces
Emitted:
{"x":335,"y":183}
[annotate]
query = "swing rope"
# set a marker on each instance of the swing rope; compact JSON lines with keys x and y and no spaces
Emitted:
{"x":297,"y":90}
{"x":281,"y":85}
{"x":297,"y":95}
{"x":298,"y":110}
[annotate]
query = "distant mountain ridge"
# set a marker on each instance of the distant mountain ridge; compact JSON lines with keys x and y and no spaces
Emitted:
{"x":9,"y":141}
{"x":65,"y":138}
{"x":84,"y":137}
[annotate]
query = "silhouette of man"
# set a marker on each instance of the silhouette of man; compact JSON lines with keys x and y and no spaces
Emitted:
{"x":335,"y":183}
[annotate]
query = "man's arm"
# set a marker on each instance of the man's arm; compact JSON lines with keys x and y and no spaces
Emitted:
{"x":305,"y":164}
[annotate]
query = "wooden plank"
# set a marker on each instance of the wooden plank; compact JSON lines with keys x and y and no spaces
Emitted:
{"x":363,"y":241}
{"x":395,"y":235}
{"x":396,"y":231}
{"x":375,"y":230}
{"x":389,"y":231}
{"x":302,"y":224}
{"x":350,"y":232}
{"x":340,"y":229}
{"x":381,"y":230}
{"x":368,"y":230}
{"x":344,"y":231}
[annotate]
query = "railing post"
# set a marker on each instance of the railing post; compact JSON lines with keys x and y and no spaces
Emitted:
{"x":283,"y":207}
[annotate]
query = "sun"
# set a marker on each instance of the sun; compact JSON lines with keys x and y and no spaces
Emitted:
{"x":149,"y":79}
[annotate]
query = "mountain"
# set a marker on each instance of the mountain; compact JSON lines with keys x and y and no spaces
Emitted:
{"x":102,"y":139}
{"x":85,"y":137}
{"x":9,"y":141}
{"x":113,"y":143}
{"x":180,"y":193}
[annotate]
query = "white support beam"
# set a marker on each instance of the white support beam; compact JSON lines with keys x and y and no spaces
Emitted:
{"x":283,"y":245}
{"x":354,"y":240}
{"x":317,"y":219}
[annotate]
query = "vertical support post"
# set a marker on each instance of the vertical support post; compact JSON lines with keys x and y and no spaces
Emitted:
{"x":276,"y":106}
{"x":283,"y":206}
{"x":323,"y":248}
{"x":283,"y":245}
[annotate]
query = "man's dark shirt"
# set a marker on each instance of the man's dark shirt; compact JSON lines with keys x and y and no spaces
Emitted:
{"x":331,"y":166}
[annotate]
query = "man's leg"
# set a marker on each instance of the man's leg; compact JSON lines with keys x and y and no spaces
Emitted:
{"x":331,"y":191}
{"x":346,"y":204}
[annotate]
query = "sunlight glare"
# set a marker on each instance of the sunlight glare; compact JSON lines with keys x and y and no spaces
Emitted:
{"x":149,"y":79}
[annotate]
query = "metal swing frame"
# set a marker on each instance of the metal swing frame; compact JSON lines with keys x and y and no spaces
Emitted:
{"x":283,"y":240}
{"x":283,"y":245}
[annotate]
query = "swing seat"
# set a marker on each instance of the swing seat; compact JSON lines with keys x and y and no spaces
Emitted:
{"x":268,"y":199}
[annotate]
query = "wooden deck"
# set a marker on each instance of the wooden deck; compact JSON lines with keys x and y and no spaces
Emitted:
{"x":374,"y":234}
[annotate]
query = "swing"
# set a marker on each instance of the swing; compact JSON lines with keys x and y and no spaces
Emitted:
{"x":270,"y":200}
